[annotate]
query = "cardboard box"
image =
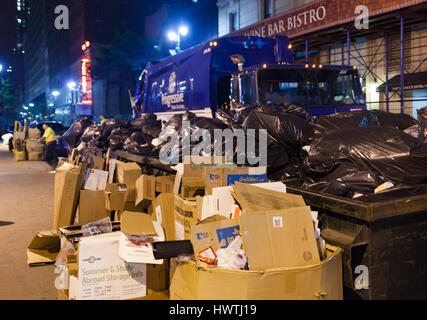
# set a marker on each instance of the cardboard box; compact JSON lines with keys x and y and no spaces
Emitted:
{"x":34,"y":146}
{"x":163,"y":212}
{"x":192,"y":187}
{"x":44,"y":248}
{"x":68,"y":182}
{"x":35,"y":156}
{"x":192,"y":170}
{"x":128,"y":173}
{"x":187,"y":215}
{"x":96,"y":180}
{"x":138,"y":232}
{"x":198,"y":281}
{"x":158,"y":276}
{"x":145,"y":188}
{"x":221,"y":176}
{"x":114,"y":196}
{"x":92,"y":206}
{"x":98,"y":163}
{"x":280,"y":238}
{"x":215,"y":232}
{"x":34,"y":134}
{"x":103,"y":275}
{"x":253,"y":198}
{"x":164,"y":184}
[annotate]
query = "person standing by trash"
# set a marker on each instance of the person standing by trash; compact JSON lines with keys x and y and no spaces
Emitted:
{"x":50,"y":147}
{"x":102,"y":117}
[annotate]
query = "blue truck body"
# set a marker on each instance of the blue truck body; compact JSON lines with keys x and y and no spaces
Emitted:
{"x":205,"y":78}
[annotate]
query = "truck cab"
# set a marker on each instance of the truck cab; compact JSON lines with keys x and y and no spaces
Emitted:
{"x":320,"y":89}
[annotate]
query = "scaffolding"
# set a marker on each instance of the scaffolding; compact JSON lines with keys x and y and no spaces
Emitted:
{"x":391,"y":45}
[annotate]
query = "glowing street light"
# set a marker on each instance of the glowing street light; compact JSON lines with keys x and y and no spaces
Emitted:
{"x":176,"y":36}
{"x":31,"y":104}
{"x":1,"y":67}
{"x":71,"y":85}
{"x":56,"y":93}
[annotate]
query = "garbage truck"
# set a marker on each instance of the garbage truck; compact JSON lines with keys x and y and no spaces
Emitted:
{"x":238,"y":72}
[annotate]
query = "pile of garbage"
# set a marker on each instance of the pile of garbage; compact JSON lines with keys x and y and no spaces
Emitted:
{"x":349,"y":154}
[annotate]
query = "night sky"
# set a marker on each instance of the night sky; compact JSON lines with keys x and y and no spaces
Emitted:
{"x":7,"y":31}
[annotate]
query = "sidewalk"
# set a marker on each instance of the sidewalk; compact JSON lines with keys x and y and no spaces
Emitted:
{"x":26,"y":206}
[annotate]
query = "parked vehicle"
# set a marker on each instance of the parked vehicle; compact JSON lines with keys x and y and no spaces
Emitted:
{"x":238,"y":72}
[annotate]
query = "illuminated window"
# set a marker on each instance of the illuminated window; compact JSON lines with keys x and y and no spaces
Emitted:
{"x":268,"y":8}
{"x":233,"y":21}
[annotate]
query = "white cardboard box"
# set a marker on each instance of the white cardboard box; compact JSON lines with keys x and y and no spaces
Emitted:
{"x":103,"y":275}
{"x":96,"y":180}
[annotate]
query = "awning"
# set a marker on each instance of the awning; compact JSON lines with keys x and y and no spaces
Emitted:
{"x":413,"y":81}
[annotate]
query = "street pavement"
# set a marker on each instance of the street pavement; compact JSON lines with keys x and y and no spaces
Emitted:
{"x":26,"y":206}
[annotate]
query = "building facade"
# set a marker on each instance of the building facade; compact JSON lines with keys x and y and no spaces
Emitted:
{"x":390,"y":52}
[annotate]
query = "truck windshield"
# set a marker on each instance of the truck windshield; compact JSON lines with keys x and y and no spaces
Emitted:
{"x":309,"y":88}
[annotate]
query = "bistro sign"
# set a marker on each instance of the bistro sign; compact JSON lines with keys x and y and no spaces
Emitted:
{"x":290,"y":23}
{"x":318,"y":15}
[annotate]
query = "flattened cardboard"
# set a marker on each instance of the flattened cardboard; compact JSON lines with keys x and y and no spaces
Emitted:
{"x":253,"y":198}
{"x":279,"y":238}
{"x":128,"y":173}
{"x":91,"y":206}
{"x":163,"y":212}
{"x":114,"y":196}
{"x":145,"y":188}
{"x":137,"y":224}
{"x":138,"y":233}
{"x":215,"y":232}
{"x":198,"y":281}
{"x":44,"y":248}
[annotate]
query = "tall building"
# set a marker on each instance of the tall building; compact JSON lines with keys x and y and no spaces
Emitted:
{"x":390,"y":52}
{"x":60,"y":63}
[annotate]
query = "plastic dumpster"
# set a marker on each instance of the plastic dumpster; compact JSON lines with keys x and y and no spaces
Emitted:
{"x":389,"y":238}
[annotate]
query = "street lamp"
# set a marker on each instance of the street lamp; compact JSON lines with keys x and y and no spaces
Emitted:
{"x":176,"y":36}
{"x":1,"y":67}
{"x":31,"y":104}
{"x":71,"y":85}
{"x":55,"y":93}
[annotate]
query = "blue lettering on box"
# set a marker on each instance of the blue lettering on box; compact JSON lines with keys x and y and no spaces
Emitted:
{"x":202,"y":235}
{"x":246,"y":178}
{"x":227,"y":235}
{"x":213,"y":176}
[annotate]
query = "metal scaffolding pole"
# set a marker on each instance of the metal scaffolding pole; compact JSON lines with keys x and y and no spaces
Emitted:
{"x":348,"y":47}
{"x":402,"y":70}
{"x":342,"y":53}
{"x":387,"y":99}
{"x":306,"y":51}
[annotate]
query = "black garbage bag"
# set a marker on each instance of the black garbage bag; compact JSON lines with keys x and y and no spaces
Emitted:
{"x":285,"y":127}
{"x":422,"y":118}
{"x":91,"y":133}
{"x":414,"y":131}
{"x":394,"y":120}
{"x":147,"y":124}
{"x":347,"y":179}
{"x":176,"y":121}
{"x":359,"y":145}
{"x":138,"y":149}
{"x":73,"y":134}
{"x":325,"y":124}
{"x":118,"y":137}
{"x":140,"y":137}
{"x":110,"y":124}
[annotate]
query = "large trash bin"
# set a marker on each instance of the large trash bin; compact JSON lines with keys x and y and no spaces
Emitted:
{"x":389,"y":238}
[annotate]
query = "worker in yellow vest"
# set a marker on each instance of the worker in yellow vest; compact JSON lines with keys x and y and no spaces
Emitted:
{"x":102,"y":117}
{"x":50,"y":147}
